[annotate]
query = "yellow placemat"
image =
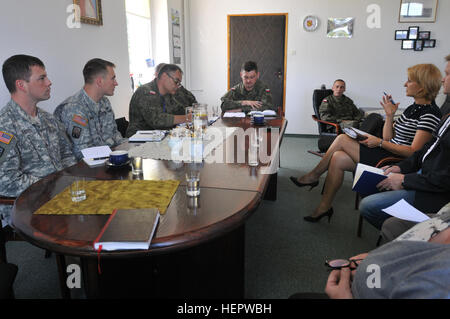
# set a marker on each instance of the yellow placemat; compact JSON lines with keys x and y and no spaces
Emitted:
{"x":102,"y":197}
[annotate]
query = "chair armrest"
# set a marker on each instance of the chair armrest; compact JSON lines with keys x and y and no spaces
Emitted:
{"x":389,"y":160}
{"x":7,"y":200}
{"x":336,"y":126}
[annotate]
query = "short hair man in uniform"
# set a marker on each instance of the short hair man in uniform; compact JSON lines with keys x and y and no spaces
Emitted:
{"x":340,"y":109}
{"x":152,"y":106}
{"x":182,"y":96}
{"x":249,"y":95}
{"x":88,"y":115}
{"x":33,"y":144}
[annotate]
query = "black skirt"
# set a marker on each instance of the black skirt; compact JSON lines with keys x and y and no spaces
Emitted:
{"x":371,"y":156}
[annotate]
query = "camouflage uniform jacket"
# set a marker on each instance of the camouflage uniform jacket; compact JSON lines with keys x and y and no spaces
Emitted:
{"x":149,"y":110}
{"x":88,"y":123}
{"x":232,"y":99}
{"x":184,"y":97}
{"x":30,"y":149}
{"x":338,"y":109}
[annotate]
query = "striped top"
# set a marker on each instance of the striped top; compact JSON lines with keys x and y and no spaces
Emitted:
{"x":415,"y":117}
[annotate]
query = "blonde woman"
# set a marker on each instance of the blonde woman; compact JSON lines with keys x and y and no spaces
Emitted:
{"x":401,"y":138}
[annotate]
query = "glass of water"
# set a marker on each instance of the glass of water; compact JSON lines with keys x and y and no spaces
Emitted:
{"x":136,"y":165}
{"x":193,"y":179}
{"x":78,"y":190}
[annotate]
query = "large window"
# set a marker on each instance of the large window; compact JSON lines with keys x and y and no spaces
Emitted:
{"x":139,"y":41}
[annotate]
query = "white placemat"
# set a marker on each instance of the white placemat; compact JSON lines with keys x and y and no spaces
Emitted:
{"x":184,"y":149}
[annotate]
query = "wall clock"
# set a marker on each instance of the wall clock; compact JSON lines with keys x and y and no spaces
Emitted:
{"x":310,"y":23}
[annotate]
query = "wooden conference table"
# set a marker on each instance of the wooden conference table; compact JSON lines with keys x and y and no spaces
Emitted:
{"x":198,"y":248}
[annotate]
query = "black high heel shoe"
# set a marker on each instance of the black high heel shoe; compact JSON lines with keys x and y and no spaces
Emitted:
{"x":312,"y":219}
{"x":296,"y":182}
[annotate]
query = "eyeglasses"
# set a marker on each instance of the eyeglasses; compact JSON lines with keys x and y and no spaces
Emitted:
{"x":176,"y":81}
{"x":342,"y":263}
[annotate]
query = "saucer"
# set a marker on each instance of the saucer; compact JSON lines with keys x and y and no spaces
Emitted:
{"x":256,"y":124}
{"x":109,"y":164}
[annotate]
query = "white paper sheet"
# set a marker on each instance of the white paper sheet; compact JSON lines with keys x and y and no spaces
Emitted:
{"x":403,"y":210}
{"x":265,"y":113}
{"x":234,"y":114}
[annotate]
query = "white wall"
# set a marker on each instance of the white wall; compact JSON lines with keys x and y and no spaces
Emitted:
{"x":39,"y":28}
{"x":371,"y":62}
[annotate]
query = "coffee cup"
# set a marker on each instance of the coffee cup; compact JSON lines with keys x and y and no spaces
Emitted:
{"x":258,"y":119}
{"x":118,"y":157}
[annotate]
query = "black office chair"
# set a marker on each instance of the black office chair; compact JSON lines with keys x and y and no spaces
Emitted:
{"x":327,"y":130}
{"x":8,"y":234}
{"x":122,"y":125}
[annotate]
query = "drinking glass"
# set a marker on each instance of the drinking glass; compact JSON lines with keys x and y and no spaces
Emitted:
{"x":136,"y":165}
{"x":193,"y":179}
{"x":78,"y":190}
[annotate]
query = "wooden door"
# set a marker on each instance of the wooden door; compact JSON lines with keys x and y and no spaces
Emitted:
{"x":261,"y":38}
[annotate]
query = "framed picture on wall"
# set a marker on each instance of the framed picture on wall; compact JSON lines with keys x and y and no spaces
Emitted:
{"x":408,"y":44}
{"x":418,"y":45}
{"x":401,"y":34}
{"x":429,"y":43}
{"x":418,"y":11}
{"x":413,"y":33}
{"x":90,"y":11}
{"x":424,"y":35}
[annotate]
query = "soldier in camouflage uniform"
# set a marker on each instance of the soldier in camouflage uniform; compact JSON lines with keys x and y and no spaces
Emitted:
{"x":249,"y":95}
{"x":338,"y":108}
{"x":182,"y":96}
{"x":88,"y":116}
{"x":154,"y":106}
{"x":33,"y":144}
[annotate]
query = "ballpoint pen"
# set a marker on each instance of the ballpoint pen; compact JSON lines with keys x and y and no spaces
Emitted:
{"x":98,"y":158}
{"x":391,"y":100}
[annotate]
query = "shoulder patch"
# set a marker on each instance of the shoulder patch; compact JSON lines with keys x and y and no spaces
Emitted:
{"x":233,"y":89}
{"x":76,"y":132}
{"x":267,"y":90}
{"x":152,"y":93}
{"x":324,"y":101}
{"x":80,"y":120}
{"x":5,"y":138}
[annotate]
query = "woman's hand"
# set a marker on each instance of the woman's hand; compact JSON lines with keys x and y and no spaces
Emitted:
{"x":339,"y":284}
{"x":371,"y":141}
{"x":388,"y":107}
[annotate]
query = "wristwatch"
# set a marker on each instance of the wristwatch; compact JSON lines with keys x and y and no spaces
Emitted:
{"x":381,"y":142}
